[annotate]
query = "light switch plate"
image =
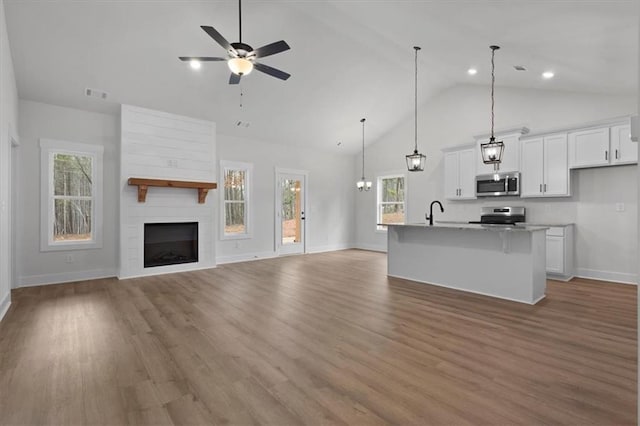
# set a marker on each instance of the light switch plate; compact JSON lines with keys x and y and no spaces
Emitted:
{"x":619,"y":207}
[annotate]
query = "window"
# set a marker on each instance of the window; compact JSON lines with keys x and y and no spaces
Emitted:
{"x":71,"y":195}
{"x":391,"y":200}
{"x":236,"y":178}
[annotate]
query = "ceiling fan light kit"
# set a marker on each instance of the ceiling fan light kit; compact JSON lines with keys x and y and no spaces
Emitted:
{"x":241,"y":58}
{"x":415,"y":161}
{"x":492,"y":150}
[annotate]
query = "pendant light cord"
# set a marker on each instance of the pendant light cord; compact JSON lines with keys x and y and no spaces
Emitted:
{"x":362,"y":121}
{"x":415,"y":103}
{"x":493,"y":82}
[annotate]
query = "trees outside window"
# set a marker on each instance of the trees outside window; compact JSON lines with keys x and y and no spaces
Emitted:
{"x":390,"y":200}
{"x":236,"y":178}
{"x":70,"y":195}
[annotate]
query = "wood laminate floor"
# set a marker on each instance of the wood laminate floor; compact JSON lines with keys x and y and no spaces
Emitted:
{"x":316,"y":339}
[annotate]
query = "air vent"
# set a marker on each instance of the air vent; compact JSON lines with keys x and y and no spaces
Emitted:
{"x":244,"y":124}
{"x":94,"y":93}
{"x":519,"y":68}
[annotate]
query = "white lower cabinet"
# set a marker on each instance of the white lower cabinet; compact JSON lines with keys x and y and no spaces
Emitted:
{"x":459,"y":174}
{"x":560,"y":252}
{"x":544,"y":167}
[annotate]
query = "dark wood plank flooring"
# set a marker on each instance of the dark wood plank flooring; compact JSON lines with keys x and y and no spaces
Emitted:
{"x":315,"y":339}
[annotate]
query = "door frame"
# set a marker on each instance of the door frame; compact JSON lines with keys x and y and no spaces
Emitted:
{"x":277,"y":241}
{"x":14,"y":144}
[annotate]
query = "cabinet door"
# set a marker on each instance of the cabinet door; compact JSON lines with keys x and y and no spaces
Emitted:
{"x":555,"y":255}
{"x":531,"y":173}
{"x":510,"y":156}
{"x":623,"y":149}
{"x":467,"y":174}
{"x":556,"y":169}
{"x":451,"y":186}
{"x":589,"y":148}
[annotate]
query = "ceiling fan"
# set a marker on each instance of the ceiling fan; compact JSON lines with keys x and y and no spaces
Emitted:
{"x":241,"y":58}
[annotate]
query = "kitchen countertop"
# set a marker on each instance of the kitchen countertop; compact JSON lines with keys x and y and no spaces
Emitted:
{"x":545,"y":224}
{"x":473,"y":226}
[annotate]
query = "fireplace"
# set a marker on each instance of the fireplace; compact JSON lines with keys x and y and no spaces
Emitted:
{"x":170,"y":243}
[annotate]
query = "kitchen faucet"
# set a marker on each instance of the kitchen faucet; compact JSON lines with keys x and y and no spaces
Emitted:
{"x":429,"y":217}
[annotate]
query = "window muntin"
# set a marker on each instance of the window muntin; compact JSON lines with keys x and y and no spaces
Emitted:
{"x":390,"y":200}
{"x":235,"y":200}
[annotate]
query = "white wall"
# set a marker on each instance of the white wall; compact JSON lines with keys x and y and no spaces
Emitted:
{"x":160,"y":145}
{"x":605,"y":239}
{"x":8,"y":129}
{"x":330,"y":202}
{"x":40,"y":120}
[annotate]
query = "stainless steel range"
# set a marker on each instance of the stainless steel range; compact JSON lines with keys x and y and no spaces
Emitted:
{"x":501,"y":216}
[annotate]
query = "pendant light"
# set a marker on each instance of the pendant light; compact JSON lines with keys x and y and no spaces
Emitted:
{"x":415,"y":161}
{"x":492,"y":150}
{"x":363,"y":184}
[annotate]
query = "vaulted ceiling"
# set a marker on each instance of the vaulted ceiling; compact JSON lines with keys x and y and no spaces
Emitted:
{"x":348,"y":59}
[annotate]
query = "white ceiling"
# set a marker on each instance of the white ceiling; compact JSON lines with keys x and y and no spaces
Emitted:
{"x":348,"y":59}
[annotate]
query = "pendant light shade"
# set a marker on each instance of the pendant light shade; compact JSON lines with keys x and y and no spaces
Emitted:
{"x":363,"y":184}
{"x":415,"y":161}
{"x":240,"y":66}
{"x":492,"y":150}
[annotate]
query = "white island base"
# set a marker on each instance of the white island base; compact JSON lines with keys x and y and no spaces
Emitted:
{"x":508,"y":263}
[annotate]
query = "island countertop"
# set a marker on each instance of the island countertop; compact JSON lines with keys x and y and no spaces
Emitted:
{"x":471,"y":226}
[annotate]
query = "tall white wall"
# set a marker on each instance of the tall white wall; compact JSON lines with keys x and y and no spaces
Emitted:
{"x":160,"y":145}
{"x":330,"y":202}
{"x":606,"y":240}
{"x":40,"y":120}
{"x":8,"y":130}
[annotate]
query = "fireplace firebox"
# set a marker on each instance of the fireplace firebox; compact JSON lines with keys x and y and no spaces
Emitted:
{"x":170,"y":243}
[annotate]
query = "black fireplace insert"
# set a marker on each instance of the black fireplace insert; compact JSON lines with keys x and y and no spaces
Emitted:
{"x":170,"y":243}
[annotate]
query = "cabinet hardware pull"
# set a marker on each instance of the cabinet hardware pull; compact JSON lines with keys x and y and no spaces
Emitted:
{"x":606,"y":155}
{"x":617,"y":154}
{"x":540,"y":187}
{"x":545,"y":187}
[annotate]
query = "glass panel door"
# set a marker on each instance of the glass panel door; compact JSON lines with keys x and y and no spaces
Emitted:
{"x":291,"y":194}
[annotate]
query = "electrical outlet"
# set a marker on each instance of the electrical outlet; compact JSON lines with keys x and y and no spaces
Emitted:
{"x":69,"y":258}
{"x":619,"y":207}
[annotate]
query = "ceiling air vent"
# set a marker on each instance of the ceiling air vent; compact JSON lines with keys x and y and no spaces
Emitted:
{"x":94,"y":93}
{"x":519,"y":68}
{"x":244,"y":124}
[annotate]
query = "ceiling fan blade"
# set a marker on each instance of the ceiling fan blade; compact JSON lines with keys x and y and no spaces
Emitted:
{"x":234,"y":78}
{"x":217,"y":37}
{"x":271,"y":49}
{"x":271,"y":71}
{"x":201,"y":58}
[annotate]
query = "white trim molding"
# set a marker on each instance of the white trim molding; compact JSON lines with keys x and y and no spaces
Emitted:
{"x":48,"y":147}
{"x":612,"y":276}
{"x":4,"y":305}
{"x":247,"y":168}
{"x":65,"y":277}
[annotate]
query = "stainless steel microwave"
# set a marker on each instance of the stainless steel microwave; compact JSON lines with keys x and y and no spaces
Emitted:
{"x":498,"y":185}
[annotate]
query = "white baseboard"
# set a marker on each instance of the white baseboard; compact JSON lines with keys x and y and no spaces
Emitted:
{"x":617,"y":277}
{"x":245,"y":257}
{"x":4,"y":305}
{"x":65,"y":277}
{"x":333,"y":247}
{"x":372,"y":247}
{"x":152,"y":272}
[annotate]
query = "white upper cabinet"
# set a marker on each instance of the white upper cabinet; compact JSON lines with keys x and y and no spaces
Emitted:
{"x":623,"y":149}
{"x":544,"y":168}
{"x":459,"y":174}
{"x":510,"y":156}
{"x":589,"y":148}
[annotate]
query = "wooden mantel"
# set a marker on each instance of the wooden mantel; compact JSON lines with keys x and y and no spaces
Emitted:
{"x":144,"y":184}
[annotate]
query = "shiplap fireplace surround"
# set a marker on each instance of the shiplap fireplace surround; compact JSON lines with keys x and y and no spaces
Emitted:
{"x":159,"y":145}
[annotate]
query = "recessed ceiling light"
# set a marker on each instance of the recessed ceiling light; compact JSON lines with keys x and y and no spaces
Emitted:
{"x":195,"y":64}
{"x":472,"y":71}
{"x":547,"y":75}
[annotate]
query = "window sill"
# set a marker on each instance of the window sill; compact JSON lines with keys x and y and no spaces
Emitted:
{"x":71,"y":245}
{"x":236,"y":237}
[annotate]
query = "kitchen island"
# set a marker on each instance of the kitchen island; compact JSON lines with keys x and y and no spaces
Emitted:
{"x":507,"y":262}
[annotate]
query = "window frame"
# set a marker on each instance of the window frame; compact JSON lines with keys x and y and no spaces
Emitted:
{"x":48,"y":149}
{"x":379,"y":203}
{"x":247,"y":168}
